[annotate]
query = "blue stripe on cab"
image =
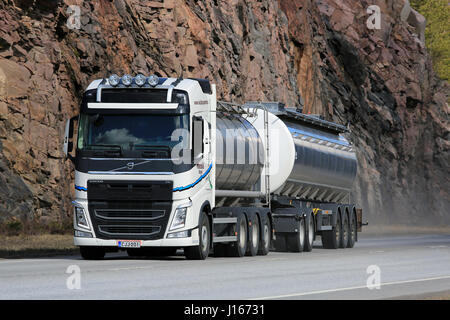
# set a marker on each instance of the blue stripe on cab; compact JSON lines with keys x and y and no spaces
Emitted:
{"x":196,"y":181}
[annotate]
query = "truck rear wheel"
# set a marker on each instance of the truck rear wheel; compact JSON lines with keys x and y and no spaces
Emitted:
{"x":309,"y":239}
{"x":353,"y":231}
{"x":264,"y":246}
{"x":92,"y":253}
{"x":201,"y":251}
{"x":345,"y":232}
{"x":332,"y":238}
{"x":296,"y":242}
{"x":253,"y":243}
{"x":239,"y":248}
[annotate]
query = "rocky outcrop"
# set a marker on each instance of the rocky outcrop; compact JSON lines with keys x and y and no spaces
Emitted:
{"x":380,"y":82}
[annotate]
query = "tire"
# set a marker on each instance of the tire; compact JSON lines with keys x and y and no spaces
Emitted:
{"x":265,"y":238}
{"x":92,"y":253}
{"x":254,"y":237}
{"x":310,"y":233}
{"x":353,"y":232}
{"x":345,"y":232}
{"x":296,"y":242}
{"x":331,"y":238}
{"x":239,"y":248}
{"x":201,"y":251}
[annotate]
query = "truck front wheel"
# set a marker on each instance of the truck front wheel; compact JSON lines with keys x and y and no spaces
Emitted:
{"x":92,"y":253}
{"x":201,"y":251}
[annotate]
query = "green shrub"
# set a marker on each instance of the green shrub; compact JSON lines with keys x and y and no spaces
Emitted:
{"x":13,"y":227}
{"x":437,"y":33}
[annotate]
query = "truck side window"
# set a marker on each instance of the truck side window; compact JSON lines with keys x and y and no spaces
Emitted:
{"x":197,"y":138}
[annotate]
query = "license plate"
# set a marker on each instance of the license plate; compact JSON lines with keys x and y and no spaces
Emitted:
{"x":129,"y":243}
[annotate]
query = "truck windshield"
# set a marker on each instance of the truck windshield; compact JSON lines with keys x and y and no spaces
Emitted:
{"x":129,"y":132}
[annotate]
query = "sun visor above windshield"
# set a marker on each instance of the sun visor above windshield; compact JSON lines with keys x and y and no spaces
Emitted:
{"x":138,"y":106}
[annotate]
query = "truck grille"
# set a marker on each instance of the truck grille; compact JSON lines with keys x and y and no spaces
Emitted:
{"x":128,"y":214}
{"x":129,"y":230}
{"x":139,"y":211}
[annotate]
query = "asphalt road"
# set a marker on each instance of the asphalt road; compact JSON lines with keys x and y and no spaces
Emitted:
{"x":416,"y":265}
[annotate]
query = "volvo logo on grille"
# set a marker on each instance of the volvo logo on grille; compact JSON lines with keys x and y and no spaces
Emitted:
{"x":130,"y":165}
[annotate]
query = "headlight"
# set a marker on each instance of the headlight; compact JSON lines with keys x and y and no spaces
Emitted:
{"x":127,"y":80}
{"x":179,"y":219}
{"x":114,"y":80}
{"x":80,"y":218}
{"x":140,"y":80}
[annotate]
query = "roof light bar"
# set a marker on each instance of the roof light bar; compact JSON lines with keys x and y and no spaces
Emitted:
{"x":114,"y":80}
{"x":127,"y":80}
{"x":140,"y":80}
{"x":153,"y":80}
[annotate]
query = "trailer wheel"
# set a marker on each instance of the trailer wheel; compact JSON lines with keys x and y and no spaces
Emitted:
{"x":253,"y":243}
{"x":264,"y":245}
{"x":239,"y":248}
{"x":331,"y":238}
{"x":201,"y":251}
{"x":345,"y":232}
{"x":353,"y":231}
{"x":296,"y":242}
{"x":309,"y":239}
{"x":92,"y":253}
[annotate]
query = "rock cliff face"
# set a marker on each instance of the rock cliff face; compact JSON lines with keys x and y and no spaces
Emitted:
{"x":380,"y":82}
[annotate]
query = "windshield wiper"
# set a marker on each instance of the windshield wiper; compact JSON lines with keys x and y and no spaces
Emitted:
{"x":154,"y":151}
{"x":110,"y":149}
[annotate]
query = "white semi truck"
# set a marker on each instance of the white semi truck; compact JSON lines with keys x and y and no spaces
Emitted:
{"x":161,"y":165}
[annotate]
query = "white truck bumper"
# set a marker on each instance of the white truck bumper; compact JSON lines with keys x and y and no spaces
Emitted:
{"x":173,"y":242}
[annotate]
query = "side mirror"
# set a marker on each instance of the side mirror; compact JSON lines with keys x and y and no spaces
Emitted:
{"x":68,"y":138}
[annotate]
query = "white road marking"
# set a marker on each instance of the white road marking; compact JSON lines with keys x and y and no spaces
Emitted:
{"x":346,"y":289}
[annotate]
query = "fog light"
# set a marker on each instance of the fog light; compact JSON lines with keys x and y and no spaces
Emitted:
{"x":181,"y":234}
{"x":82,"y":234}
{"x":153,"y":80}
{"x":127,"y":80}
